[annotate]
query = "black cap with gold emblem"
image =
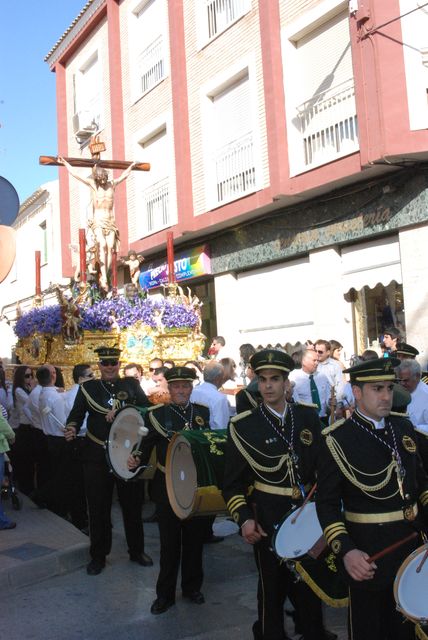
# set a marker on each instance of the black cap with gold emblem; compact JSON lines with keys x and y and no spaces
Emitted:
{"x":406,"y":350}
{"x":108,"y":352}
{"x":180,"y":373}
{"x":272,"y":359}
{"x":379,"y":370}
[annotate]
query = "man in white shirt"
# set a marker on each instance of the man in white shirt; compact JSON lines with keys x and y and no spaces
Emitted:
{"x":208,"y":393}
{"x":409,"y":376}
{"x":330,"y":367}
{"x":309,"y":382}
{"x":39,"y":441}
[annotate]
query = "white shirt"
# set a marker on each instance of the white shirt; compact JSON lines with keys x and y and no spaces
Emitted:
{"x":69,"y":398}
{"x":302,"y":389}
{"x":31,"y":408}
{"x":333,"y":372}
{"x":207,"y":393}
{"x":52,"y":421}
{"x":418,"y":407}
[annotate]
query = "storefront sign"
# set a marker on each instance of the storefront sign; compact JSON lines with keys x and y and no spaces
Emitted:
{"x":189,"y":264}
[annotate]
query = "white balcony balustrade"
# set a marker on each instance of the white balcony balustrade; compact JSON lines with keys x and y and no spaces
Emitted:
{"x":328,"y":125}
{"x":235,"y":169}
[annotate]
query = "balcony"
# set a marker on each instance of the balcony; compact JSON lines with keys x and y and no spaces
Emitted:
{"x":235,"y":170}
{"x":328,"y":126}
{"x":156,"y":200}
{"x":151,"y":65}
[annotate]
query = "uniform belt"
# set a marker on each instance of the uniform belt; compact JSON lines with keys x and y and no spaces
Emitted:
{"x":160,"y":467}
{"x":379,"y":518}
{"x":94,"y":439}
{"x":277,"y":491}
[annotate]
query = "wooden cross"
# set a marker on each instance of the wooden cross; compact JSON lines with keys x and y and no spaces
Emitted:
{"x":96,"y":147}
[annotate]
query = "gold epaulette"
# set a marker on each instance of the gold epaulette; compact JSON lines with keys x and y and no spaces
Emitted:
{"x":308,"y":404}
{"x":155,"y":406}
{"x":244,"y":414}
{"x":333,"y":426}
{"x":399,"y":414}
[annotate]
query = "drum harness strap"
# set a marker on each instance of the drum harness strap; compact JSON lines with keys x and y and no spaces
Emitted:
{"x":94,"y":405}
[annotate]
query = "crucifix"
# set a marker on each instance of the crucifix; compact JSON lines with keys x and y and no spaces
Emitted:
{"x":102,"y":225}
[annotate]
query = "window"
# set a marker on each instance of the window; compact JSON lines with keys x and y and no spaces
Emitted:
{"x":215,"y":16}
{"x":148,"y":45}
{"x":231,"y":167}
{"x":156,"y":193}
{"x":320,"y":96}
{"x":87,"y":100}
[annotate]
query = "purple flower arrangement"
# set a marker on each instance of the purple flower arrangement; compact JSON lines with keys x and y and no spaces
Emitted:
{"x":110,"y":312}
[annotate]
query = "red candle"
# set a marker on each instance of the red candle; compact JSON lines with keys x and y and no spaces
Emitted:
{"x":82,"y":254}
{"x":114,"y":271}
{"x":170,"y":256}
{"x":38,"y":261}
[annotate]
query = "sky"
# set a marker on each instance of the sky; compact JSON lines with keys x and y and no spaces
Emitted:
{"x":28,"y":30}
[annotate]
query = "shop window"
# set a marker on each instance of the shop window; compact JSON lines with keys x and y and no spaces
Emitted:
{"x":373,"y":310}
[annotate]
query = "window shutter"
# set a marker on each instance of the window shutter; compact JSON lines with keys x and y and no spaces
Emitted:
{"x":231,"y":113}
{"x":324,"y":57}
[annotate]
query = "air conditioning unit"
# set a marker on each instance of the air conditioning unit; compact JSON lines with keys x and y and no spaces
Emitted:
{"x":84,"y":124}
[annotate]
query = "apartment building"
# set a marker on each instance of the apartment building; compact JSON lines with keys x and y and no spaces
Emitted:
{"x":288,"y":143}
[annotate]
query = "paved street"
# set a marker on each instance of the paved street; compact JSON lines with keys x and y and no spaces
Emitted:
{"x":46,"y":594}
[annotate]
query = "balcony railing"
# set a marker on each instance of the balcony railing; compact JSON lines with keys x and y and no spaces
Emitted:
{"x":156,"y":199}
{"x":151,"y":65}
{"x":328,"y":125}
{"x":235,"y":169}
{"x":221,"y":13}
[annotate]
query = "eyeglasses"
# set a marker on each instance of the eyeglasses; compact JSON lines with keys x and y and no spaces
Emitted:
{"x":109,"y":363}
{"x":89,"y":375}
{"x":28,"y":375}
{"x":320,"y":352}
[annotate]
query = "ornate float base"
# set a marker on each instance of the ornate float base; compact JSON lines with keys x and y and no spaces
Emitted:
{"x":139,"y":343}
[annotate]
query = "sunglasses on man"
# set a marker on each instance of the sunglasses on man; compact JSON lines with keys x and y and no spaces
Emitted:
{"x":109,"y":363}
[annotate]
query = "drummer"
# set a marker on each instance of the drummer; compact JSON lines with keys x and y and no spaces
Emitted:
{"x":370,"y":468}
{"x":273,"y":449}
{"x":178,"y":538}
{"x":100,"y":400}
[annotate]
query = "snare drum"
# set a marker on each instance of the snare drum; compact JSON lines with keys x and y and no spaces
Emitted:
{"x":300,"y":541}
{"x":295,"y":536}
{"x":194,"y":473}
{"x":123,"y":438}
{"x":411,"y":587}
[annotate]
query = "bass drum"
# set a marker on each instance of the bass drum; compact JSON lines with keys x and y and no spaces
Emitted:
{"x":411,"y":589}
{"x":123,"y":437}
{"x":194,"y":473}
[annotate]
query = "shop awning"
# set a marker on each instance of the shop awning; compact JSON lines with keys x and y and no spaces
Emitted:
{"x":371,"y":263}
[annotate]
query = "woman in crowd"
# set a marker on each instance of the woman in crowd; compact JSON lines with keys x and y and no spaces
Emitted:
{"x":22,"y":451}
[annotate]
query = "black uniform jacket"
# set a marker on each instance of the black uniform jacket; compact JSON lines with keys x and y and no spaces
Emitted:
{"x":357,"y":481}
{"x":95,"y":398}
{"x":259,"y":473}
{"x":163,"y":421}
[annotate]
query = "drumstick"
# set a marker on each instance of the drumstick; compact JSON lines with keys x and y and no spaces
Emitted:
{"x":422,"y":562}
{"x":305,"y":502}
{"x":47,"y":410}
{"x":392,"y":547}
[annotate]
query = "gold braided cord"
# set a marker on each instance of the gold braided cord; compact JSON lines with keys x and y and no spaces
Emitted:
{"x":94,"y":405}
{"x":256,"y":467}
{"x":157,"y":425}
{"x":348,"y":471}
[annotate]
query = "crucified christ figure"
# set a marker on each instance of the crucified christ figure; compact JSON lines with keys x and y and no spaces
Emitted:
{"x":102,"y":224}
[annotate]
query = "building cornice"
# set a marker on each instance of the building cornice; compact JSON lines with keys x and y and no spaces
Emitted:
{"x":73,"y":31}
